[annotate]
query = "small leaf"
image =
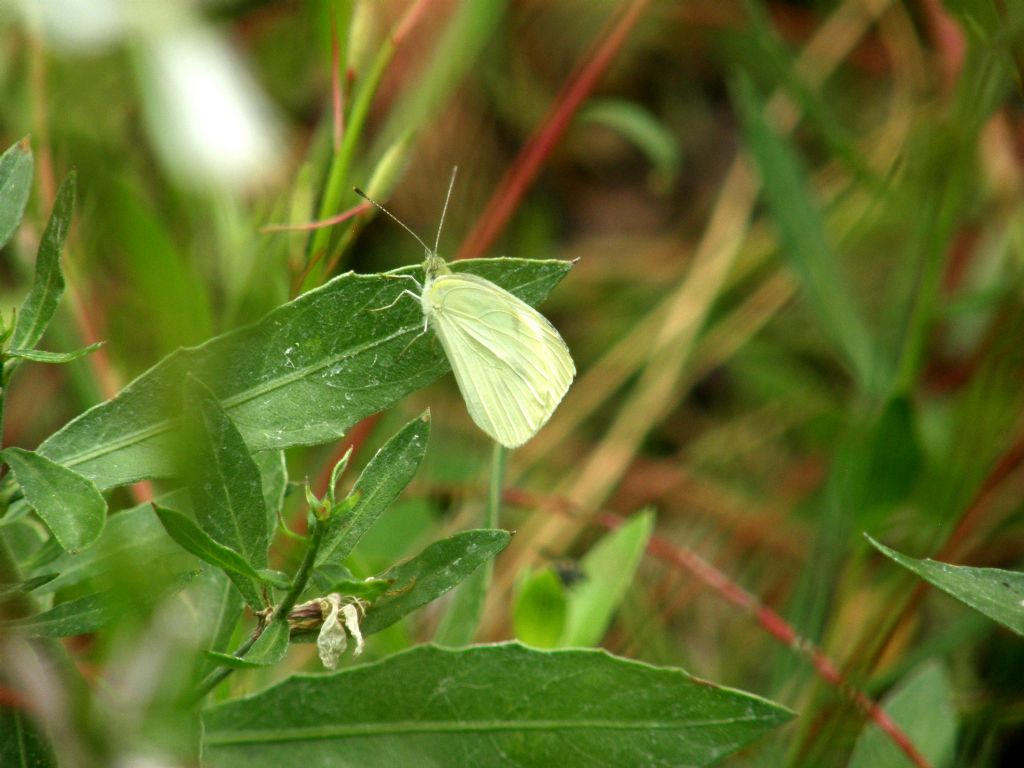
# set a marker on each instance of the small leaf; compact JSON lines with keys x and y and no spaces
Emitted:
{"x":384,"y":477}
{"x":269,"y":648}
{"x":131,"y":538}
{"x":996,"y":593}
{"x":223,"y":605}
{"x":92,"y":612}
{"x":41,"y":356}
{"x":272,"y":645}
{"x":7,"y":591}
{"x":22,"y":745}
{"x":194,"y":540}
{"x":75,"y":617}
{"x":609,"y":567}
{"x":366,"y":589}
{"x":37,"y":309}
{"x":488,"y":705}
{"x":541,"y":606}
{"x":15,"y":186}
{"x":303,"y":375}
{"x":431,"y":573}
{"x":70,"y":505}
{"x":278,"y":579}
{"x":224,"y":483}
{"x":922,"y":705}
{"x":274,"y":476}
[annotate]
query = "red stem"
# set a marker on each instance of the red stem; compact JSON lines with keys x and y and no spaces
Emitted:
{"x":526,"y":166}
{"x":774,"y":624}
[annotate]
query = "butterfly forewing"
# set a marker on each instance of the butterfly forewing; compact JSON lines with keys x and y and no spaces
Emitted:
{"x":511,"y":365}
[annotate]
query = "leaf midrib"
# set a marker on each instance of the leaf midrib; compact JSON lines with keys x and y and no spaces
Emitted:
{"x":232,"y":401}
{"x":337,"y":731}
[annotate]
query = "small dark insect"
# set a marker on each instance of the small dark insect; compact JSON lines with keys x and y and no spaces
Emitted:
{"x":568,"y":571}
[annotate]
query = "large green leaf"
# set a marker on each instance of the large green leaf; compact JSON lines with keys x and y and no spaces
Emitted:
{"x":996,"y":593}
{"x":488,"y":705}
{"x":37,"y":309}
{"x":922,"y":705}
{"x":379,"y":484}
{"x":302,"y":375}
{"x":70,"y":505}
{"x":431,"y":573}
{"x":609,"y":568}
{"x":224,"y":484}
{"x":15,"y":186}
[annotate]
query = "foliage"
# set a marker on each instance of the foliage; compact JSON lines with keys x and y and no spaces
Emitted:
{"x":245,"y":517}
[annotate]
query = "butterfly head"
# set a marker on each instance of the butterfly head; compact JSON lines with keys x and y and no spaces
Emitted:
{"x":434,"y":265}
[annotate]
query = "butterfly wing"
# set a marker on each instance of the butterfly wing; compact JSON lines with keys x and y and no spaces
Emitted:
{"x":511,"y":365}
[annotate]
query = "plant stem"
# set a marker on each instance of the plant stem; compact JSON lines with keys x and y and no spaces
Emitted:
{"x":282,"y":610}
{"x":498,"y":460}
{"x":463,"y":618}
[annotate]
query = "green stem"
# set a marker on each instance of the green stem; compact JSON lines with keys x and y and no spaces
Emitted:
{"x":338,"y":175}
{"x":460,"y":623}
{"x":316,"y":538}
{"x":498,"y":460}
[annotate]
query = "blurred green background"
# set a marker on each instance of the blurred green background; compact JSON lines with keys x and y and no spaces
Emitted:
{"x":797,"y":312}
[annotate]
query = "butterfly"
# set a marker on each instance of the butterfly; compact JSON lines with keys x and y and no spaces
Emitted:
{"x":511,"y":365}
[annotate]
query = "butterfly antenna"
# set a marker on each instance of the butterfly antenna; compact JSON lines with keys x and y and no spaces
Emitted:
{"x":451,"y":185}
{"x":394,"y":218}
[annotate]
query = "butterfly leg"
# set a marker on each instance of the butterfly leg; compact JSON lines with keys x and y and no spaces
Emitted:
{"x":399,"y":298}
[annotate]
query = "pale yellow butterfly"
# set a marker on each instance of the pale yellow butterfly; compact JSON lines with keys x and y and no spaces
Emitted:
{"x":512,"y":367}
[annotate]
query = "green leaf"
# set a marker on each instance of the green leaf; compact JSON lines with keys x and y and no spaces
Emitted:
{"x":540,"y":609}
{"x":194,"y":540}
{"x":7,"y":591}
{"x":488,"y":705}
{"x":269,"y":648}
{"x":131,"y":538}
{"x":15,"y":186}
{"x":371,"y":588}
{"x":274,"y":476}
{"x":609,"y":568}
{"x":224,"y":484}
{"x":70,"y":505}
{"x":302,"y":375}
{"x":881,"y":463}
{"x":37,"y":309}
{"x":641,"y":127}
{"x":803,"y":235}
{"x":75,"y":617}
{"x":41,"y":356}
{"x":431,"y":573}
{"x":922,"y":705}
{"x":92,"y":612}
{"x":222,"y":603}
{"x":996,"y":593}
{"x":379,"y":484}
{"x":21,"y":743}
